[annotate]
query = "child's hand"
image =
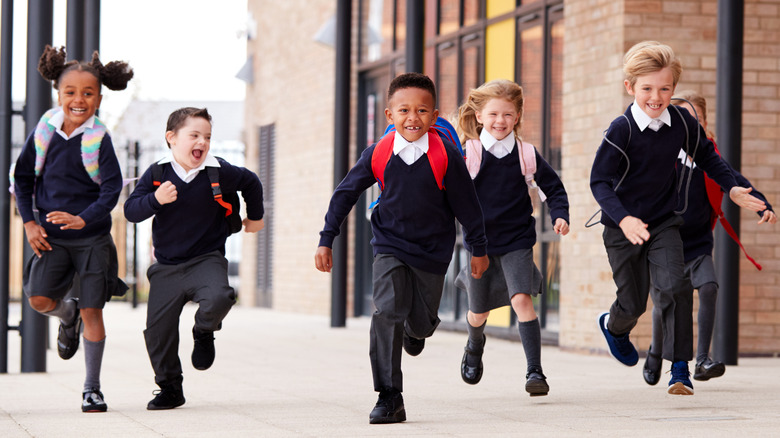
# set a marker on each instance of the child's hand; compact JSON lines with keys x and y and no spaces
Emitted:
{"x":478,"y":266}
{"x":67,"y":220}
{"x":166,"y":193}
{"x":561,"y":227}
{"x":36,"y":237}
{"x":251,"y":226}
{"x":769,"y":217}
{"x":323,"y":259}
{"x":742,"y":197}
{"x":635,"y":230}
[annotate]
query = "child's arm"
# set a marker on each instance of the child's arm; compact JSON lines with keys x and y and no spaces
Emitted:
{"x":767,"y":214}
{"x":323,"y":259}
{"x":145,"y":201}
{"x":24,"y":181}
{"x":557,"y":199}
{"x":240,"y":179}
{"x":608,"y":167}
{"x":359,"y":178}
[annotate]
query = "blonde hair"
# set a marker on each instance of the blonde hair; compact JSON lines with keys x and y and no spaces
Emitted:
{"x":697,"y":100}
{"x":468,"y":127}
{"x":649,"y":57}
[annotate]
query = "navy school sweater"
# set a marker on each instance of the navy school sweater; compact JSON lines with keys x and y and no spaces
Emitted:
{"x":506,"y":204}
{"x":414,"y":220}
{"x":64,"y":185}
{"x":696,"y":232}
{"x":195,"y":223}
{"x":649,"y":190}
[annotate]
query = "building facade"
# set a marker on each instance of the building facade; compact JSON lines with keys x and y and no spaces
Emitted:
{"x":567,"y":55}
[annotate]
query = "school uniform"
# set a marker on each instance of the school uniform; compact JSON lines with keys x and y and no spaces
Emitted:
{"x":509,"y":224}
{"x":414,"y":236}
{"x":638,"y":177}
{"x":189,"y":237}
{"x":64,"y":184}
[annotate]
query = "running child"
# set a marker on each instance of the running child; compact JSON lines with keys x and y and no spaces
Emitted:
{"x":700,"y":217}
{"x":425,"y":187}
{"x":635,"y":182}
{"x":489,"y":122}
{"x":189,"y":233}
{"x":66,"y":182}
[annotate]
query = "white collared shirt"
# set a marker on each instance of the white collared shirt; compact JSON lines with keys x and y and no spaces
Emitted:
{"x":59,"y":118}
{"x":499,"y":148}
{"x":410,"y":151}
{"x":644,"y":121}
{"x":184,"y":175}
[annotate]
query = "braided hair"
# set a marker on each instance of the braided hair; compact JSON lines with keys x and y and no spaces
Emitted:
{"x":52,"y":65}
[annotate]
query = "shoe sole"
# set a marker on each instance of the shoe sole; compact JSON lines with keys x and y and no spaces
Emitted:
{"x":717,"y":370}
{"x":537,"y":389}
{"x":678,"y":388}
{"x":162,"y":408}
{"x":94,"y":409}
{"x":66,"y":354}
{"x":397,"y":418}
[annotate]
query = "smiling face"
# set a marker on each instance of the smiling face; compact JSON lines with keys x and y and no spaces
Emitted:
{"x":653,"y":91}
{"x":498,"y":117}
{"x":78,"y":94}
{"x":190,"y":143}
{"x":412,"y":112}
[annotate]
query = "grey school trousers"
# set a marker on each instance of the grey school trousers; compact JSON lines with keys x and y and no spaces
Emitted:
{"x":405,"y":298}
{"x":659,"y":260}
{"x":203,"y":280}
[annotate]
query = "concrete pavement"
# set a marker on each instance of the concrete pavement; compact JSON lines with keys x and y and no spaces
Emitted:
{"x":290,"y":375}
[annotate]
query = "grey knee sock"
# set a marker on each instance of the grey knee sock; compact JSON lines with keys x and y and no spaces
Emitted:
{"x":93,"y":356}
{"x":64,"y":310}
{"x":656,"y":345}
{"x":476,"y":342}
{"x":708,"y":297}
{"x":531,"y":335}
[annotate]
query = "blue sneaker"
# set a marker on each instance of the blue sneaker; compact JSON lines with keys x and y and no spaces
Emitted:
{"x":681,"y":382}
{"x":620,"y":347}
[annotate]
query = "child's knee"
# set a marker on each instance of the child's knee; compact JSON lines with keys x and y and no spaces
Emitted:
{"x":42,"y":304}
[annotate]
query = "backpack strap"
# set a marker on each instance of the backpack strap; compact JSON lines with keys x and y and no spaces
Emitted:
{"x":715,"y":196}
{"x":527,"y":154}
{"x":216,"y":190}
{"x":473,"y":153}
{"x":437,"y":157}
{"x":157,"y":170}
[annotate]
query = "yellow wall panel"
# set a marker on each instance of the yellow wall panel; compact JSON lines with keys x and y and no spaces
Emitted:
{"x":500,"y":51}
{"x":498,"y":7}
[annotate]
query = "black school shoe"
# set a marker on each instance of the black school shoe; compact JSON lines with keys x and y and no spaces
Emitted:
{"x":93,"y":401}
{"x":203,"y":350}
{"x":68,"y":336}
{"x":167,"y":397}
{"x":413,"y":346}
{"x":708,"y":369}
{"x":652,"y":374}
{"x":536,"y":382}
{"x":472,"y":374}
{"x":389,"y":408}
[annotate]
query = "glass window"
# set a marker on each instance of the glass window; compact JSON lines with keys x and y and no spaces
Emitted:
{"x":471,"y":12}
{"x":553,"y":153}
{"x":400,"y":24}
{"x":376,"y":29}
{"x":531,"y":63}
{"x":447,"y":83}
{"x":472,"y":64}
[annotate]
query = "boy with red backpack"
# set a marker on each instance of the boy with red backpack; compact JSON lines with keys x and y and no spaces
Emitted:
{"x":425,"y":187}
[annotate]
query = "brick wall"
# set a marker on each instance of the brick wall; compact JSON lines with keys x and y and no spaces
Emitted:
{"x":293,"y":89}
{"x":597,"y":35}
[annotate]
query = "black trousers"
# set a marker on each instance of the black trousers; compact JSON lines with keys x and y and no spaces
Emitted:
{"x":202,"y":280}
{"x":405,"y":298}
{"x":659,"y":260}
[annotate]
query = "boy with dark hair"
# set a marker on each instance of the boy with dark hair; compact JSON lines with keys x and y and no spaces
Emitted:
{"x":635,"y":182}
{"x":426,"y":186}
{"x":189,"y":233}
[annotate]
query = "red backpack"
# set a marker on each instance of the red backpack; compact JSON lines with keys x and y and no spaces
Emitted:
{"x":437,"y":156}
{"x":715,"y":196}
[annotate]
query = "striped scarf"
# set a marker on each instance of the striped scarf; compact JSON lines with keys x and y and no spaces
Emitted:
{"x":90,"y":144}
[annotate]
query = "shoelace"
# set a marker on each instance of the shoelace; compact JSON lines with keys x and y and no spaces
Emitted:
{"x":623,"y":345}
{"x":680,"y":373}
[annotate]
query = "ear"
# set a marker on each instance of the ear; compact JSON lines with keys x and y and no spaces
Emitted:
{"x":435,"y":115}
{"x":478,"y":117}
{"x":629,"y":88}
{"x":100,"y":99}
{"x":389,"y":116}
{"x":169,"y":135}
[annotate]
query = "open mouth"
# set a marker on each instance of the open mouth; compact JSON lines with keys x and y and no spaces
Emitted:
{"x":197,"y":154}
{"x":78,"y":111}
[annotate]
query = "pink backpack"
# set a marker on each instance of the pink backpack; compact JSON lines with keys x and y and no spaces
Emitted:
{"x":526,"y":152}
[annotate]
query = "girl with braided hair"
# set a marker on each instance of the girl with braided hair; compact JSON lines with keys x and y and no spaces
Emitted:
{"x":66,"y":182}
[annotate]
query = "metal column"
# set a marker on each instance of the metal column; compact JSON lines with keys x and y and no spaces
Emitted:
{"x":729,"y":128}
{"x":75,"y":30}
{"x":415,"y":35}
{"x":91,"y":27}
{"x":338,"y":302}
{"x":6,"y":52}
{"x":39,"y":33}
